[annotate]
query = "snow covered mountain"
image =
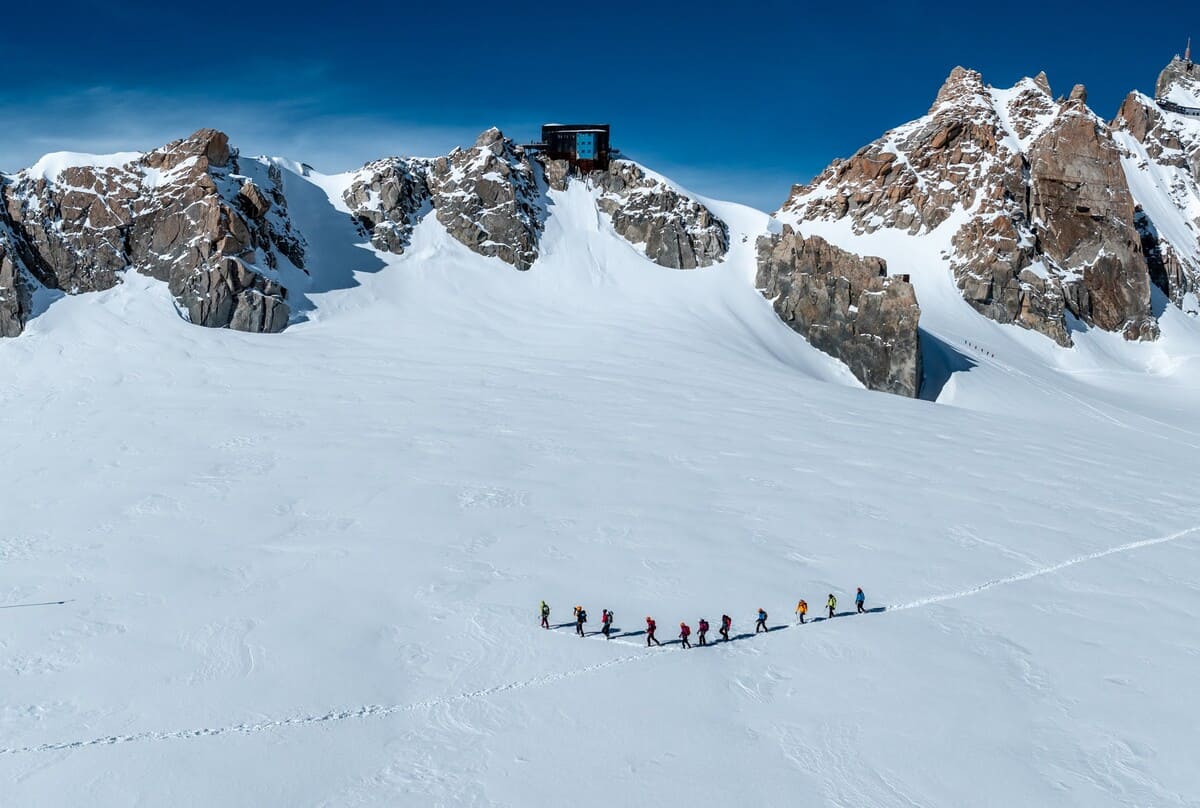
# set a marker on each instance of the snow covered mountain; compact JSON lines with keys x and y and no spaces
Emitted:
{"x":1043,"y":215}
{"x":1160,"y":144}
{"x":302,"y":568}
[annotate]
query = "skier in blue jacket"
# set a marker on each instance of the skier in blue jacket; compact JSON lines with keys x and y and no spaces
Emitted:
{"x":860,"y":600}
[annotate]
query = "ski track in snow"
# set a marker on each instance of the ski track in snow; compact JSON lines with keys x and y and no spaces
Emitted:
{"x":374,"y":710}
{"x":1025,"y":576}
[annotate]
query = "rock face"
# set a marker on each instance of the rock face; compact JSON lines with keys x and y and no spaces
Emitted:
{"x":1160,"y":149}
{"x":674,"y":230}
{"x":487,"y":197}
{"x":388,"y":197}
{"x":846,"y":306}
{"x":1179,"y":75}
{"x":1083,"y":215}
{"x":1041,"y":214}
{"x":16,"y":286}
{"x":185,"y":214}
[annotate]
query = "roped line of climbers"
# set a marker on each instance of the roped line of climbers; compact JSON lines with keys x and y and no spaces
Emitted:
{"x":702,"y":626}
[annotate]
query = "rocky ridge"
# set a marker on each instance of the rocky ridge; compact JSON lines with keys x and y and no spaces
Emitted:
{"x":490,"y":198}
{"x":1042,"y":222}
{"x":487,"y":197}
{"x":1160,"y":149}
{"x":673,"y":230}
{"x":184,"y":214}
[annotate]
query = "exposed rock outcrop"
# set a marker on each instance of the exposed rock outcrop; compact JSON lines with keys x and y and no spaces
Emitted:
{"x":16,"y":286}
{"x":1161,"y":156}
{"x":674,"y":230}
{"x":1178,"y":74}
{"x":1083,"y":219}
{"x":488,"y":198}
{"x":184,"y":214}
{"x":846,"y":306}
{"x":1043,"y":216}
{"x":388,"y":197}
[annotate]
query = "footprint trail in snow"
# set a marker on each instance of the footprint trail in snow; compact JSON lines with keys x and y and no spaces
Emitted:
{"x":375,"y":710}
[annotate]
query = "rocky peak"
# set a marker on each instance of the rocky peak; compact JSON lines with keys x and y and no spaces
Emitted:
{"x":977,"y":153}
{"x":1043,"y":82}
{"x":491,"y":139}
{"x":1179,"y":78}
{"x":209,"y":144}
{"x":961,"y":84}
{"x":184,"y":213}
{"x":1160,"y":144}
{"x":488,"y":198}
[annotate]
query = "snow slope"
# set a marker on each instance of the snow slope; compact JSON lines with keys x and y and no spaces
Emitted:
{"x":303,"y":569}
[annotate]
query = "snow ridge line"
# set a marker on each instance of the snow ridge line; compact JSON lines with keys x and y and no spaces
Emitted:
{"x":366,"y":711}
{"x":372,"y":710}
{"x":1025,"y":576}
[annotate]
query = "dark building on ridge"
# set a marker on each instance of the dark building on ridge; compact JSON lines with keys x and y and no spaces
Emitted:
{"x":584,"y":146}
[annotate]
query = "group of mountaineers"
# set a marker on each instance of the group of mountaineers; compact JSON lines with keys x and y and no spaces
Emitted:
{"x":702,"y":628}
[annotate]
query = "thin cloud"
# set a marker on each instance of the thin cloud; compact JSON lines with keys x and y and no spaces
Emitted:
{"x":103,"y":119}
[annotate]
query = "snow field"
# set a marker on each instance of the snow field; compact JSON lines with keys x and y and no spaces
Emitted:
{"x":265,"y":539}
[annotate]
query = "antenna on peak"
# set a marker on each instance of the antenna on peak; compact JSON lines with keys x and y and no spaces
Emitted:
{"x":1187,"y":54}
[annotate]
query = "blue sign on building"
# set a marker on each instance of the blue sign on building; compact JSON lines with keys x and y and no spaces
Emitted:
{"x":585,"y":146}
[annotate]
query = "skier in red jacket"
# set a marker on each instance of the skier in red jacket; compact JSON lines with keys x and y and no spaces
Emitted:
{"x":651,"y":626}
{"x":702,"y":630}
{"x":606,"y":620}
{"x":685,"y":631}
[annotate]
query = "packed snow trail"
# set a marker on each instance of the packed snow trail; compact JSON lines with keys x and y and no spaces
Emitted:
{"x":31,"y":605}
{"x":373,"y":710}
{"x":365,"y":711}
{"x":1025,"y":576}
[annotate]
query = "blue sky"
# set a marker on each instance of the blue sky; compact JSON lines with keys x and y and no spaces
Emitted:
{"x":735,"y":100}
